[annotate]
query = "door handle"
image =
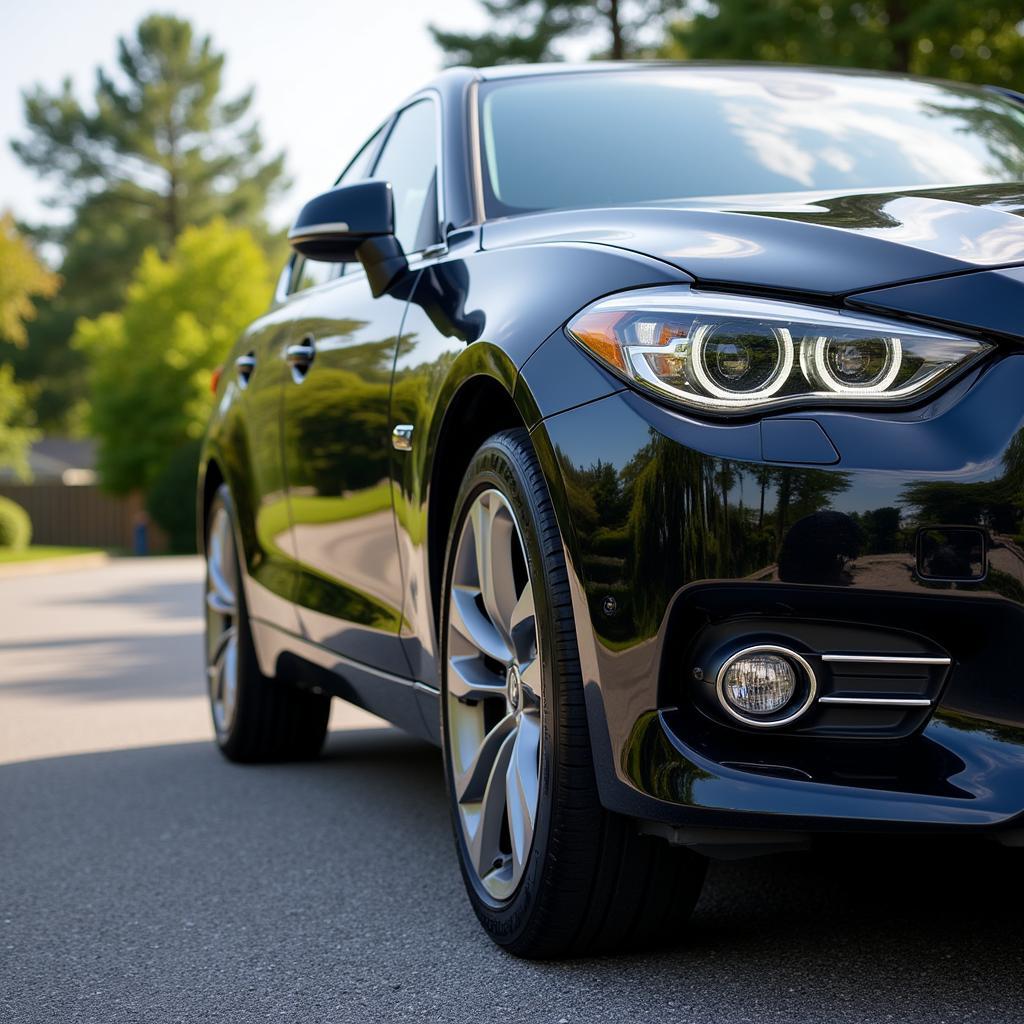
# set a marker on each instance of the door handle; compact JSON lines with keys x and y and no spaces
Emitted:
{"x":299,"y":357}
{"x":401,"y":437}
{"x":244,"y":365}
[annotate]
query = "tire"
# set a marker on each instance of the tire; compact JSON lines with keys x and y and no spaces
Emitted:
{"x":255,"y":717}
{"x":588,"y":882}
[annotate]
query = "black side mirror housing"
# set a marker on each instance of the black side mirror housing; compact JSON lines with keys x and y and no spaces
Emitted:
{"x":349,"y":223}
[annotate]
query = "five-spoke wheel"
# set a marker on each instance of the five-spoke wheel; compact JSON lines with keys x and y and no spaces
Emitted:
{"x":256,"y":717}
{"x":222,"y":620}
{"x":494,"y":693}
{"x":548,"y":870}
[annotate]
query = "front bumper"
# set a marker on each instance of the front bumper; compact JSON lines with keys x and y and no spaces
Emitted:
{"x":678,"y":530}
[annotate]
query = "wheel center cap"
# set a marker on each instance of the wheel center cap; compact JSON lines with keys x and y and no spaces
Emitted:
{"x":512,"y":687}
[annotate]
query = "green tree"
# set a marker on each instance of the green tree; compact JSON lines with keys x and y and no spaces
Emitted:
{"x":150,"y":364}
{"x":16,"y":430}
{"x":942,"y":38}
{"x":526,"y":30}
{"x":158,"y":148}
{"x":23,"y":278}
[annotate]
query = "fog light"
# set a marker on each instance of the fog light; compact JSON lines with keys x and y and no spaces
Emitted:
{"x":759,"y":684}
{"x":766,"y":686}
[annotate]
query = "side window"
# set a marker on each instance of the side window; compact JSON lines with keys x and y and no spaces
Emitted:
{"x":409,"y":162}
{"x":284,"y":280}
{"x":309,"y":273}
{"x":359,"y":167}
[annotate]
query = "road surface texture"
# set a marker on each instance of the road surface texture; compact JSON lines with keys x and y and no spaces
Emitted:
{"x":143,"y":878}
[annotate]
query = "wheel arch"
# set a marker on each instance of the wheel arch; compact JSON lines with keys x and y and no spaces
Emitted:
{"x":485,"y":393}
{"x":480,"y":407}
{"x":211,"y":477}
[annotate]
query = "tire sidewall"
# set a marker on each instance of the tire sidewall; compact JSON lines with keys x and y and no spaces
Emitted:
{"x":246,"y":651}
{"x":495,"y":467}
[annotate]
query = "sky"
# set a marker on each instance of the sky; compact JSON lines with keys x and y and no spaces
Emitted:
{"x":326,"y":73}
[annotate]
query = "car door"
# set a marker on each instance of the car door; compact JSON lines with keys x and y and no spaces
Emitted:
{"x":337,"y":433}
{"x":250,"y":450}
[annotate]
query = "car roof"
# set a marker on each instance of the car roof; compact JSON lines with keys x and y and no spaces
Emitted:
{"x":504,"y":72}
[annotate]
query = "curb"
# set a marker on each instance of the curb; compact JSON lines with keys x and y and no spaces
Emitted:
{"x":44,"y":566}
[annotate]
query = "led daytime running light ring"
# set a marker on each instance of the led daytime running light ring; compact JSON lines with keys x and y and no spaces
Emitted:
{"x":775,"y":382}
{"x":913,"y":362}
{"x":825,"y":375}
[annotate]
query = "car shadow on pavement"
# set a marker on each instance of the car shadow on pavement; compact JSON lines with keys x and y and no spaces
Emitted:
{"x":136,"y":634}
{"x":137,"y":666}
{"x":164,"y":589}
{"x":166,"y":884}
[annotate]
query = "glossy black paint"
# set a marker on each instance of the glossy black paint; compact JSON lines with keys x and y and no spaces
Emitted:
{"x":816,"y":245}
{"x":332,"y":225}
{"x":985,"y":301}
{"x":348,"y":582}
{"x":468,"y":327}
{"x":660,"y":503}
{"x":682,"y":532}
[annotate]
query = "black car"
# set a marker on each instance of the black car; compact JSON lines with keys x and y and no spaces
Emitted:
{"x":649,"y":437}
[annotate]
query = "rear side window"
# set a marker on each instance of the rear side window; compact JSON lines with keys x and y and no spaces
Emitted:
{"x":409,"y":162}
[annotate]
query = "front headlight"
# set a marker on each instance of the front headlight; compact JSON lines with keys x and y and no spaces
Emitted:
{"x":730,"y":353}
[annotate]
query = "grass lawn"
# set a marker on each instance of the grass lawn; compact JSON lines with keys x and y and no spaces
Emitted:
{"x":35,"y":552}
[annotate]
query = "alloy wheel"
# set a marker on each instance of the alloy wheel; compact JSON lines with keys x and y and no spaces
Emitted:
{"x":494,"y":694}
{"x":222,"y":621}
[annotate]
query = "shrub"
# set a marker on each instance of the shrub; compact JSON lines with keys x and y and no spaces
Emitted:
{"x":171,"y":500}
{"x":15,"y":525}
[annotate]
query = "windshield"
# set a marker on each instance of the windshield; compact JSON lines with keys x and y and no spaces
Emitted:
{"x":609,"y":138}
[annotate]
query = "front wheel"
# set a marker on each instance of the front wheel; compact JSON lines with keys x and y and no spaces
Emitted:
{"x":255,"y":718}
{"x":548,"y":870}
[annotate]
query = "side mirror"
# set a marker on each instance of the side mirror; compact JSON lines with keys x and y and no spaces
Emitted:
{"x":349,"y":223}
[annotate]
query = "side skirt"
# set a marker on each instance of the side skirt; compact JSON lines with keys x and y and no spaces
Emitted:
{"x":407,"y":703}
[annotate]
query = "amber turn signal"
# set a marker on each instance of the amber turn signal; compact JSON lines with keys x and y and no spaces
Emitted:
{"x":596,"y":331}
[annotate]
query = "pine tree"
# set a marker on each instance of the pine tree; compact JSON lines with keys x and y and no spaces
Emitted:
{"x":159,"y":148}
{"x":955,"y":39}
{"x":526,"y":30}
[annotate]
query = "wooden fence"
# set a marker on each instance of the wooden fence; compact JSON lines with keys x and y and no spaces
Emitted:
{"x":78,"y":516}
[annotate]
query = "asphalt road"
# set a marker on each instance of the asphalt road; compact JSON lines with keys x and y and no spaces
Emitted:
{"x":143,"y":878}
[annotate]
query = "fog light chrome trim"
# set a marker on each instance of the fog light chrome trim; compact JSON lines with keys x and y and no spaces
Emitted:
{"x":784,"y":652}
{"x":887,"y":702}
{"x":885,"y":659}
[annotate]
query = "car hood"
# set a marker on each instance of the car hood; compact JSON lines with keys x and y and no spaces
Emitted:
{"x":818,"y":244}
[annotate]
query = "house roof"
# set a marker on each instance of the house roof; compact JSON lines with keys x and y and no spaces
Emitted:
{"x":51,"y":458}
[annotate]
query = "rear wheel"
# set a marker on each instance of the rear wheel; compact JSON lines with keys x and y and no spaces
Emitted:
{"x":548,"y":870}
{"x":255,"y":717}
